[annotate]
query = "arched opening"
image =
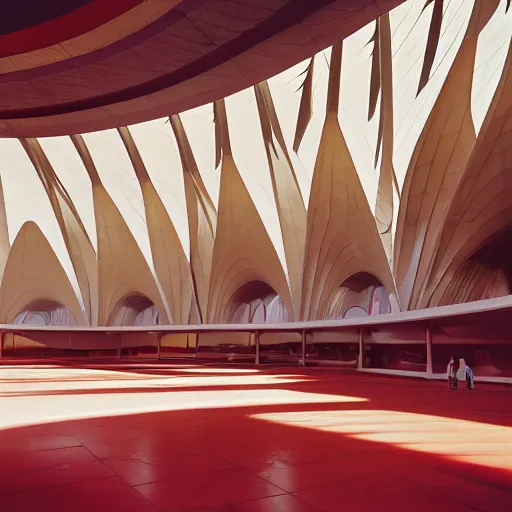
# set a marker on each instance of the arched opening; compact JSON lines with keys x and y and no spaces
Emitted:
{"x":484,"y":275}
{"x":134,"y":309}
{"x":359,"y":296}
{"x":256,"y":302}
{"x":45,"y":312}
{"x":42,"y":312}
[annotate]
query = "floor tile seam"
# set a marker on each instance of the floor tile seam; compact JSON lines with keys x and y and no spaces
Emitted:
{"x":339,"y":482}
{"x":225,"y":470}
{"x":120,"y":440}
{"x":156,"y":465}
{"x":314,"y":507}
{"x":306,"y":464}
{"x":105,"y":458}
{"x":139,"y":485}
{"x":266,"y":481}
{"x":13,"y":452}
{"x":55,"y":486}
{"x":295,"y":493}
{"x":303,"y":464}
{"x":288,"y":464}
{"x":125,"y":481}
{"x":99,"y":459}
{"x":128,"y":458}
{"x":52,"y":466}
{"x":46,"y":468}
{"x":169,"y":478}
{"x":147,"y":500}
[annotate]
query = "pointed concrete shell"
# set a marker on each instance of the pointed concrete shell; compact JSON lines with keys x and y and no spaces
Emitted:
{"x":123,"y":270}
{"x":243,"y":252}
{"x":33,"y":273}
{"x":342,"y":237}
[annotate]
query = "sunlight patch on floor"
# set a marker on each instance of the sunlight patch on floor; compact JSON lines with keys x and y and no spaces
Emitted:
{"x":113,"y":380}
{"x":462,"y":440}
{"x":25,"y":403}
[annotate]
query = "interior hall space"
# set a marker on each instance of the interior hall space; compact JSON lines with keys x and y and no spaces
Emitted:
{"x":186,"y":437}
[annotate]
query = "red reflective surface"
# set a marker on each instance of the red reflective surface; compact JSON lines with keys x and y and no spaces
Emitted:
{"x":190,"y":438}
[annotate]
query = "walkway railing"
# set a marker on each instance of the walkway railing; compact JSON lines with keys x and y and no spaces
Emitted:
{"x":413,"y":343}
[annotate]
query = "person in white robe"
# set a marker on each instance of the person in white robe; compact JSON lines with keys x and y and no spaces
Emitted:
{"x":465,"y":374}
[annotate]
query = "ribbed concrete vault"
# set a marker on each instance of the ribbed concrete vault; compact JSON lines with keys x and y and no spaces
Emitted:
{"x":386,"y":155}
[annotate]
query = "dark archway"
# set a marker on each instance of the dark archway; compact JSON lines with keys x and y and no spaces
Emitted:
{"x":256,"y":302}
{"x":484,"y":275}
{"x":135,"y":309}
{"x":45,"y":312}
{"x":360,"y":295}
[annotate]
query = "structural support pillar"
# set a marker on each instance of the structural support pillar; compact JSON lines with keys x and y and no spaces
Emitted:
{"x":360,"y":357}
{"x":429,"y":352}
{"x":303,"y":359}
{"x":118,"y":346}
{"x":2,"y":338}
{"x":257,"y":343}
{"x":158,"y":346}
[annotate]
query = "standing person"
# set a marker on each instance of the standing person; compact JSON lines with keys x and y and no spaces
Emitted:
{"x":465,"y":374}
{"x":451,"y":371}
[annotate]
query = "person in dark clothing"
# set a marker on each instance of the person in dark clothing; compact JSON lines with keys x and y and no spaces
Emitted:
{"x":451,"y":371}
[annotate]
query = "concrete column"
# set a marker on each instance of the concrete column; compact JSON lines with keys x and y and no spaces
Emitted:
{"x":118,"y":346}
{"x":197,"y":345}
{"x":360,"y":358}
{"x":257,"y":342}
{"x":429,"y":352}
{"x":303,"y":362}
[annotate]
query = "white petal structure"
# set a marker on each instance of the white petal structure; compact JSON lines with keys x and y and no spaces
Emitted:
{"x":216,"y":183}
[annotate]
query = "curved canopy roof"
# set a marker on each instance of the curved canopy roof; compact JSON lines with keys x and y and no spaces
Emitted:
{"x":387,"y":155}
{"x":86,"y":65}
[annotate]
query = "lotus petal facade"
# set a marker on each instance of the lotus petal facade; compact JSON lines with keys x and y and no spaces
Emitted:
{"x":370,"y":178}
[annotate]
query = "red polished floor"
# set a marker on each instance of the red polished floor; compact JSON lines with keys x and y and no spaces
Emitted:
{"x":177,"y":438}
